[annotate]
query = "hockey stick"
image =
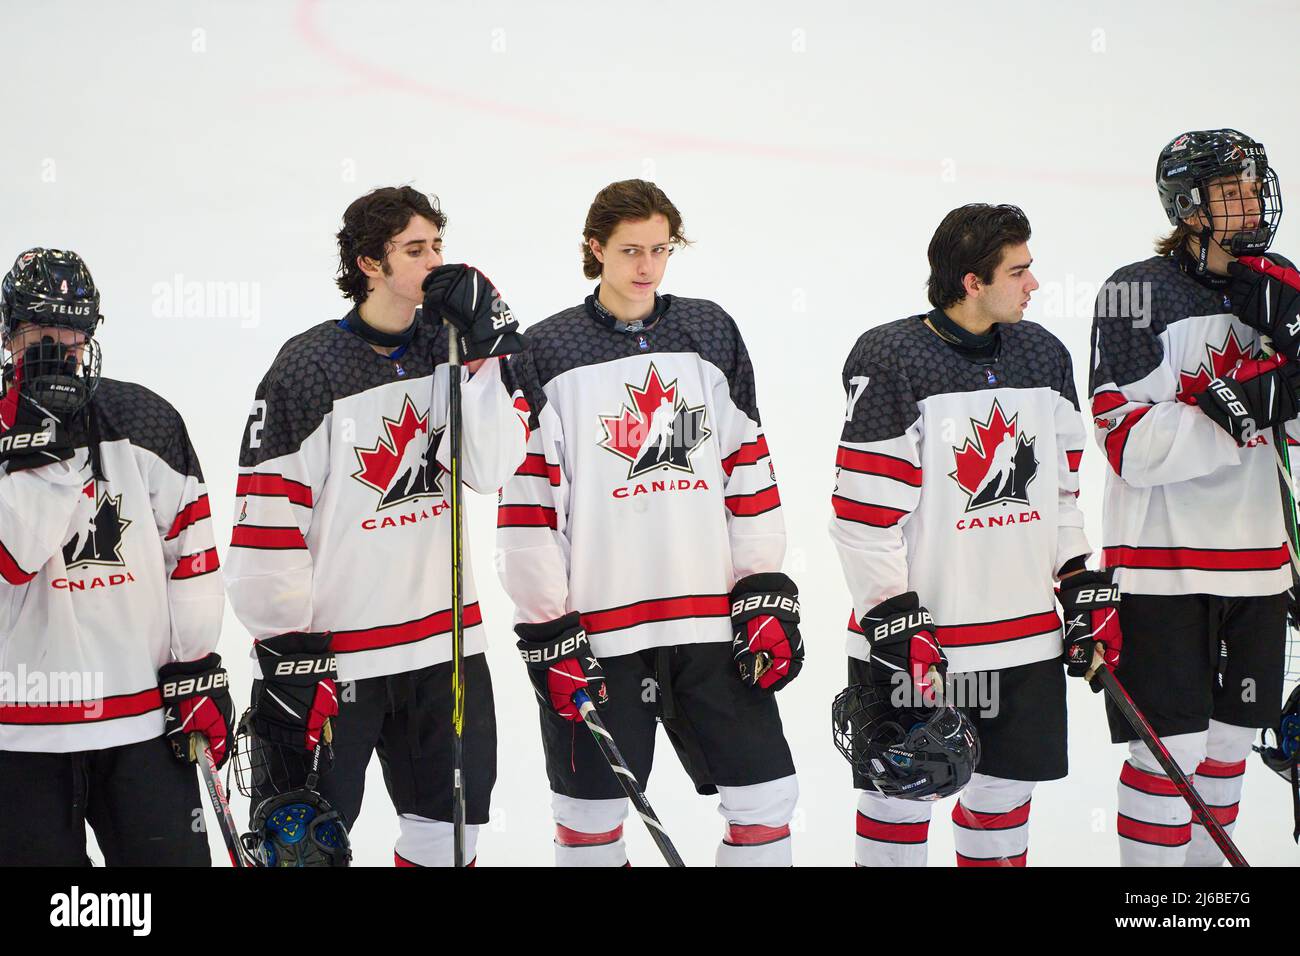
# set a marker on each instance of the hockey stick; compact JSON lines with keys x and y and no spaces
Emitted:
{"x":217,"y":795}
{"x":457,"y":602}
{"x":626,"y":779}
{"x":1124,"y":703}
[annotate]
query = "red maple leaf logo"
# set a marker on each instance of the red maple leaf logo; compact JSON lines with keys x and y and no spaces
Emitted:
{"x":379,"y":464}
{"x":974,"y":459}
{"x":1221,"y":362}
{"x":627,"y":431}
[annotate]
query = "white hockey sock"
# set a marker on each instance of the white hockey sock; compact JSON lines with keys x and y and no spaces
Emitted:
{"x":891,"y":832}
{"x":758,"y":823}
{"x":1218,"y":780}
{"x":1154,"y":822}
{"x":991,"y":822}
{"x":425,"y":842}
{"x":589,"y":832}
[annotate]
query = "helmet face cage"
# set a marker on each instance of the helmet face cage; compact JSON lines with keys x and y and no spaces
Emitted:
{"x":917,"y":754}
{"x":266,"y":768}
{"x":57,"y":370}
{"x":1223,"y":177}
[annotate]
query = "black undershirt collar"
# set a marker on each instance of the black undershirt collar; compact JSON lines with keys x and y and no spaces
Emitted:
{"x":606,"y":318}
{"x":398,"y":341}
{"x":977,"y":348}
{"x":1188,"y":263}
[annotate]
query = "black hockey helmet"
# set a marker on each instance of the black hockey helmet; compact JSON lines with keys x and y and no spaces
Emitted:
{"x":53,"y":289}
{"x":922,"y":753}
{"x":298,"y":829}
{"x":1190,"y":162}
{"x":1283,"y":757}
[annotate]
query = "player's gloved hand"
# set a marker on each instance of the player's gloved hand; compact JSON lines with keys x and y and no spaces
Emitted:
{"x":1091,"y":604}
{"x":1266,"y":296}
{"x":765,"y":643}
{"x":560,"y":663}
{"x":30,"y":436}
{"x":468,"y":300}
{"x":901,"y":635}
{"x":298,"y":694}
{"x":1256,"y":395}
{"x":196,"y":700}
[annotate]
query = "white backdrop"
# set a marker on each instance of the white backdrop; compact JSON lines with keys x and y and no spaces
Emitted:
{"x":193,"y":148}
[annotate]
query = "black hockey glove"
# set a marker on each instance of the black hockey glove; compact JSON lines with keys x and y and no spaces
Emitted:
{"x":1091,"y":606}
{"x":1254,"y":396}
{"x":196,"y":700}
{"x":1266,"y":296}
{"x":560,"y":663}
{"x":901,"y":635}
{"x":765,"y":642}
{"x":30,"y":436}
{"x":468,"y":300}
{"x":297,"y":696}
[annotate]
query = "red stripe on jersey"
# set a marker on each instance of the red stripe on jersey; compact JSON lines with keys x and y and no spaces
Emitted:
{"x":746,"y":506}
{"x":1104,"y":402}
{"x":1157,"y":834}
{"x":1017,"y":860}
{"x":533,"y":466}
{"x":1197,"y":559}
{"x":1153,"y":784}
{"x":658,"y":609}
{"x":526,"y":516}
{"x":10,"y":570}
{"x":195,"y":565}
{"x":1220,"y":770}
{"x":882,"y":832}
{"x":1072,"y":458}
{"x":747,"y":454}
{"x":274,"y":486}
{"x":874,"y":463}
{"x":1118,"y":438}
{"x":408,"y":632}
{"x":968,"y":819}
{"x":996,"y":632}
{"x":196,"y":510}
{"x":109,"y":708}
{"x":878,"y":516}
{"x":267,"y":539}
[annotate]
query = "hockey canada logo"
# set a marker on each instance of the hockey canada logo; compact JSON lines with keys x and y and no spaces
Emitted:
{"x":99,"y":541}
{"x":1218,"y":363}
{"x":403,"y":464}
{"x":658,"y":430}
{"x":997,"y":467}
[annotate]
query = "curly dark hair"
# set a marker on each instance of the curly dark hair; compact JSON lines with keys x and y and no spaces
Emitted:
{"x":630,"y":200}
{"x":370,"y":223}
{"x":971,"y":238}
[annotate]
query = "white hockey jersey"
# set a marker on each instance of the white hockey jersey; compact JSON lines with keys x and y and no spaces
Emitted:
{"x":1186,"y":510}
{"x":959,"y":481}
{"x":648,"y":489}
{"x":341,"y":520}
{"x":104,"y":580}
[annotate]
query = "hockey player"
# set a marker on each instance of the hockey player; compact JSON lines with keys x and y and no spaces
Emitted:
{"x":1193,"y":524}
{"x":111,"y":592}
{"x":646,"y":520}
{"x":340,"y":550}
{"x":957,"y":474}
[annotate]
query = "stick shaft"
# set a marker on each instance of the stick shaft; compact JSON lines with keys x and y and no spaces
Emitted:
{"x":454,"y":425}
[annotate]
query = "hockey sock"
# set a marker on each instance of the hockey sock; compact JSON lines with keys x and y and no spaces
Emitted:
{"x":891,"y":832}
{"x":1154,"y":821}
{"x":589,"y":832}
{"x":1218,"y":780}
{"x":758,"y":823}
{"x":991,"y":822}
{"x":425,"y":842}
